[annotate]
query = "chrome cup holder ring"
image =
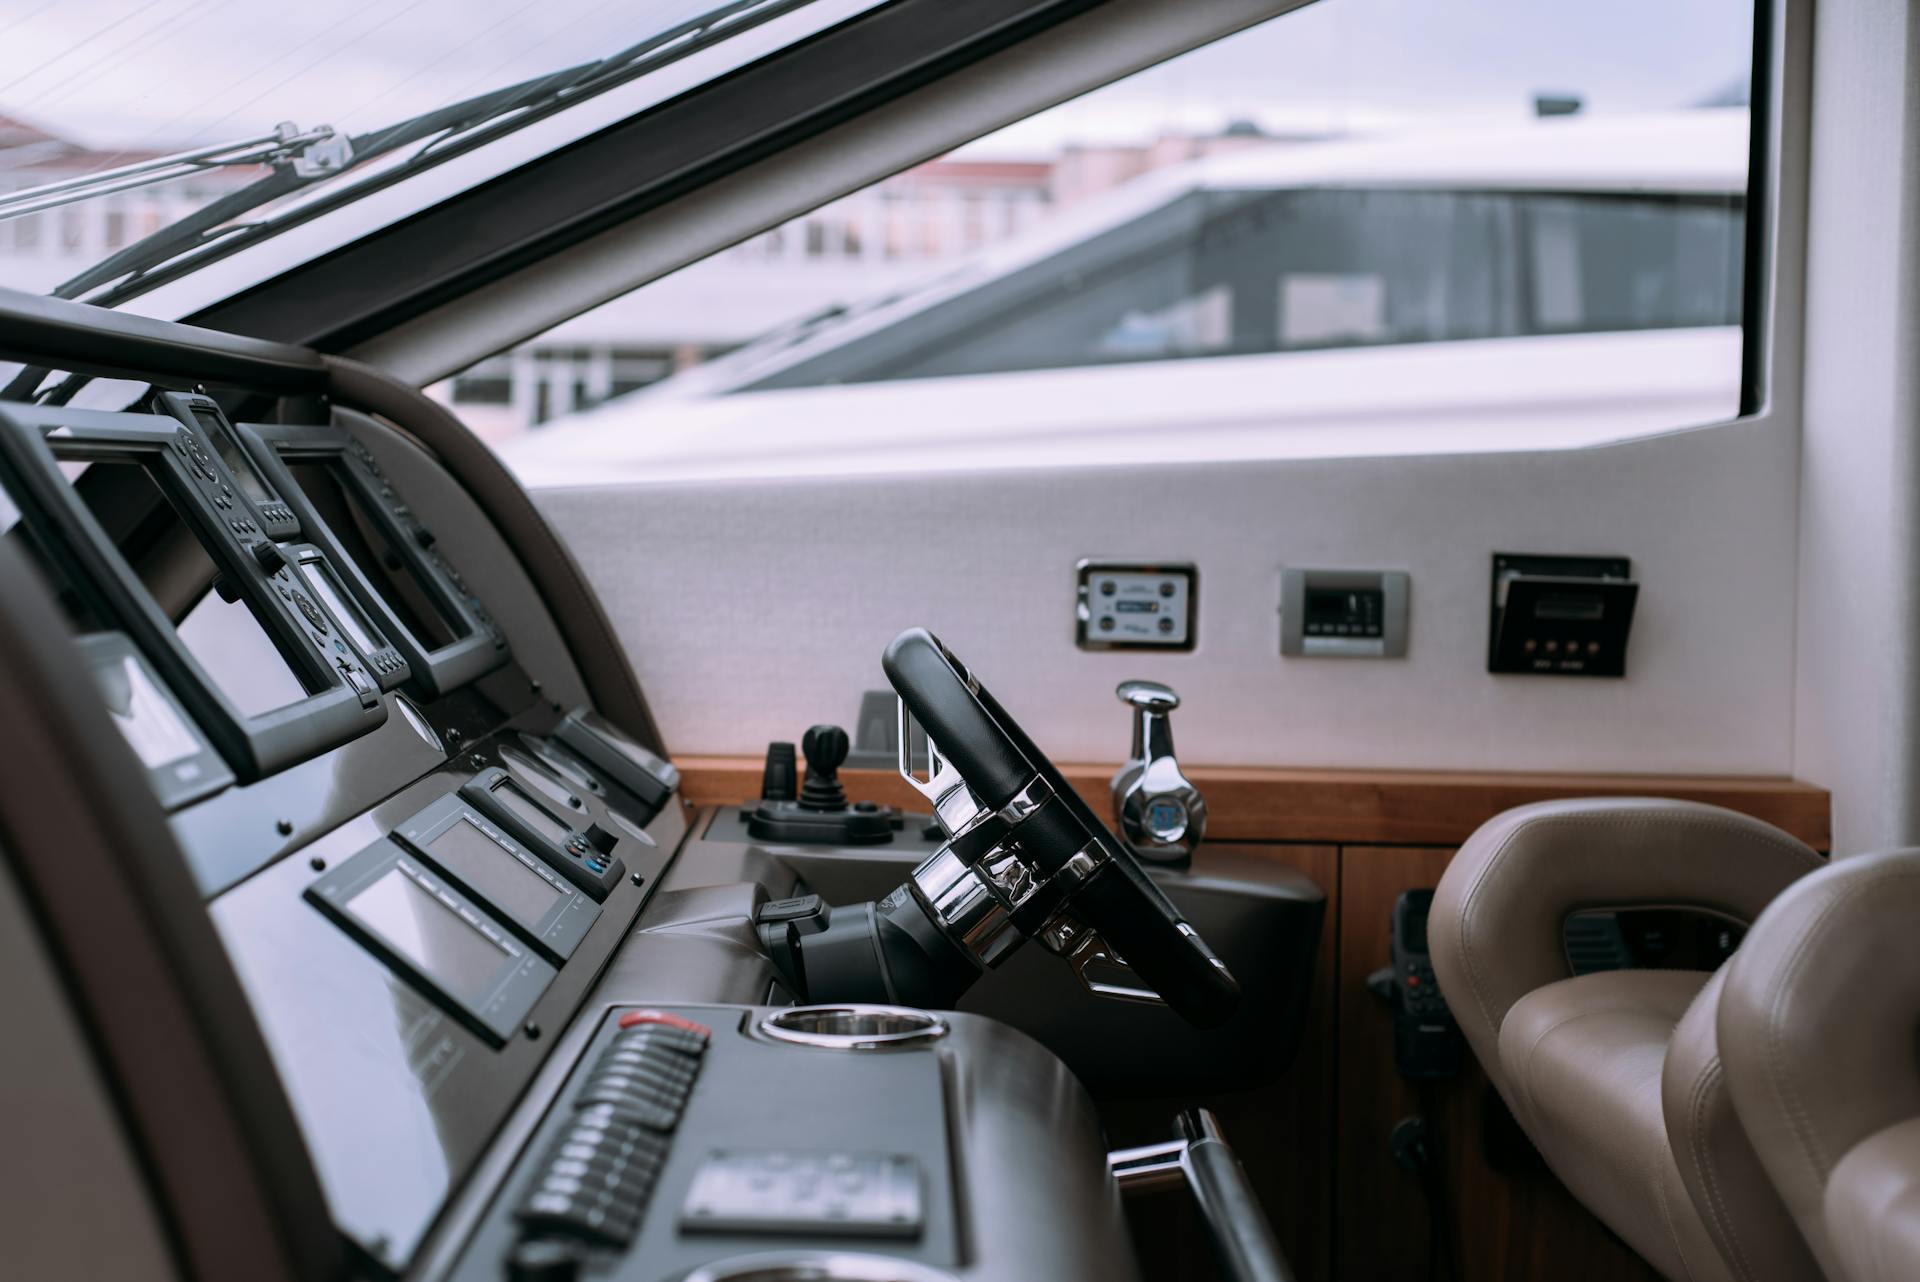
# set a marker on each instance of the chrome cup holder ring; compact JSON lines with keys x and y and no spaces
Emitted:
{"x":853,"y":1026}
{"x":817,"y":1266}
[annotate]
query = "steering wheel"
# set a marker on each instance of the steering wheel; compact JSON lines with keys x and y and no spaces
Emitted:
{"x":1062,"y":876}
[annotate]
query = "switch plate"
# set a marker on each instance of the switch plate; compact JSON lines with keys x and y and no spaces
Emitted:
{"x":1127,"y":605}
{"x":1344,"y":614}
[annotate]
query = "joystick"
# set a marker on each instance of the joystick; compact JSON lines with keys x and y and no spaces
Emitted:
{"x":820,"y":816}
{"x":826,"y":749}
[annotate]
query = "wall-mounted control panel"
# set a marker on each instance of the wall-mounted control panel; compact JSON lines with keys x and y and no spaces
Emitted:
{"x":1352,"y":614}
{"x":1136,"y":606}
{"x":1561,"y":616}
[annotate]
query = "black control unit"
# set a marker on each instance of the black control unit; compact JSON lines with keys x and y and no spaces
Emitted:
{"x":287,"y":692}
{"x":585,"y":859}
{"x":389,"y":559}
{"x":511,"y":878}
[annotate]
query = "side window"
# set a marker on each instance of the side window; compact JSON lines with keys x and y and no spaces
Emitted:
{"x":1323,"y":183}
{"x":1603,"y":263}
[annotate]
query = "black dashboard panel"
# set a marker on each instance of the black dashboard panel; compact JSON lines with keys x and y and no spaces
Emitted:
{"x":426,"y":856}
{"x":398,"y":1094}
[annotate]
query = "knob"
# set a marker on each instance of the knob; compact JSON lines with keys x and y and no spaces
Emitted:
{"x":1148,"y":694}
{"x":268,"y":556}
{"x":825,"y":748}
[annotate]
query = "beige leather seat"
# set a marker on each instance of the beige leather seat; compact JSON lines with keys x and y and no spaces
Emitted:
{"x":1820,"y":1032}
{"x":1617,"y":1076}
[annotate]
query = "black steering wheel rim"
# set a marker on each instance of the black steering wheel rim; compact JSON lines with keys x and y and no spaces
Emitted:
{"x":1000,"y":763}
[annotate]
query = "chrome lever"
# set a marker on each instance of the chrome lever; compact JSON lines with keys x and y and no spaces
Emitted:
{"x":954,"y":804}
{"x":1162,"y":815}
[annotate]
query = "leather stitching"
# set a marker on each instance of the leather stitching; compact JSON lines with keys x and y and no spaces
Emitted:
{"x":1657,"y":1178}
{"x":1718,"y":1216}
{"x":1786,"y":1090}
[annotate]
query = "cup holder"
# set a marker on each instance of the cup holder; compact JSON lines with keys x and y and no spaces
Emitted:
{"x":854,"y":1027}
{"x":814,"y":1266}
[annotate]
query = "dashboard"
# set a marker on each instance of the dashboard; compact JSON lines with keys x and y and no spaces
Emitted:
{"x":507,"y":979}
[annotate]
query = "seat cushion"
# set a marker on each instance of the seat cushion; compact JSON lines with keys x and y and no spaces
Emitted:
{"x":1583,"y":1060}
{"x":1872,"y":1206}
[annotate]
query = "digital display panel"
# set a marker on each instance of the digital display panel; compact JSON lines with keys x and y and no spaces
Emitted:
{"x":1136,"y":607}
{"x":319,"y":577}
{"x":341,"y":505}
{"x":493,"y":873}
{"x":530,"y":812}
{"x":153,"y":729}
{"x":236,"y":460}
{"x":432,"y":936}
{"x":224,"y":637}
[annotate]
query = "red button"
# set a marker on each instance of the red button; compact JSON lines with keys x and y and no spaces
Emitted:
{"x":633,"y":1017}
{"x":1413,"y":981}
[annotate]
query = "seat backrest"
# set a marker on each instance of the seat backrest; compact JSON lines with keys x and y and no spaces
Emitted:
{"x":1819,"y":1032}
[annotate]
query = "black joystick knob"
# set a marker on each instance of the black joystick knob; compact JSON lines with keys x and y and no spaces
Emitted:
{"x":825,"y":748}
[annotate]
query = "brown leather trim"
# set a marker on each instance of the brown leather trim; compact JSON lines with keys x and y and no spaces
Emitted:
{"x":576,"y":610}
{"x":146,"y":973}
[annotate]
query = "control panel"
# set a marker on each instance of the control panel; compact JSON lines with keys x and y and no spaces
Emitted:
{"x":1353,"y":614}
{"x":388,"y":559}
{"x":1561,"y":616}
{"x":138,"y":516}
{"x":328,"y":598}
{"x":585,"y":859}
{"x":1134,"y":606}
{"x":208,"y":424}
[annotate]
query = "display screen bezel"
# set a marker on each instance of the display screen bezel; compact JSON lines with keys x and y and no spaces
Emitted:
{"x":556,"y":932}
{"x":34,"y":442}
{"x":187,"y":778}
{"x":494,"y":1010}
{"x":433,"y":670}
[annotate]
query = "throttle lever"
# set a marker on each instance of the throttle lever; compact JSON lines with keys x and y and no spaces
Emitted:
{"x":1162,"y":815}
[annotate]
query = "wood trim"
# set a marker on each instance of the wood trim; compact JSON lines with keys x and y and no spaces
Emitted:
{"x":1410,"y":807}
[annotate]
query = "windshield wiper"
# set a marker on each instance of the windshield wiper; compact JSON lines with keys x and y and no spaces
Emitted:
{"x":314,"y":152}
{"x":447,"y":131}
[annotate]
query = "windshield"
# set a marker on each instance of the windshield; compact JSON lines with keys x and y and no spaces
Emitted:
{"x":140,"y":136}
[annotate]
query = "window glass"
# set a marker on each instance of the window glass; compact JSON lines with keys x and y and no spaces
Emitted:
{"x":1366,"y":179}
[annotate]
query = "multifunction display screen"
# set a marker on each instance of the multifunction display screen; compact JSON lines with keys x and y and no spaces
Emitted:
{"x":494,"y":873}
{"x":532,"y":813}
{"x":319,"y":577}
{"x":430,"y":934}
{"x":236,"y":460}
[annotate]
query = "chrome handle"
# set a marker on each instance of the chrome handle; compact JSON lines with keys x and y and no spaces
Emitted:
{"x":1162,"y":815}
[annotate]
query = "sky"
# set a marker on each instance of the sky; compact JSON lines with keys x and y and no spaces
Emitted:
{"x":162,"y":73}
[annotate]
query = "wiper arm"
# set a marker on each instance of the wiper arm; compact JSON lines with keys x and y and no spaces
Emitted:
{"x":315,"y":151}
{"x":458,"y":126}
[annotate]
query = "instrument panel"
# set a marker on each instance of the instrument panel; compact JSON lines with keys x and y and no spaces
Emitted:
{"x":417,"y":857}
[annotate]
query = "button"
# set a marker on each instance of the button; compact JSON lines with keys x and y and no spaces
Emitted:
{"x":637,"y":1018}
